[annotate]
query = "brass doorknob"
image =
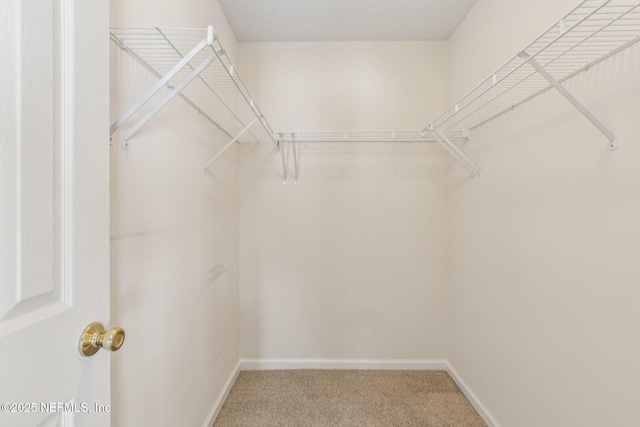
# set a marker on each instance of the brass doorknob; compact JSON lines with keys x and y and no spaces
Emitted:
{"x":95,"y":337}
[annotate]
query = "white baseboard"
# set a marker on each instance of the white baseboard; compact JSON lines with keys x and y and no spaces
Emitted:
{"x":215,"y":410}
{"x":364,"y":364}
{"x":478,"y":406}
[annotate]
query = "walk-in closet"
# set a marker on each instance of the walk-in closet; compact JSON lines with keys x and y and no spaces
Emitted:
{"x":287,"y":213}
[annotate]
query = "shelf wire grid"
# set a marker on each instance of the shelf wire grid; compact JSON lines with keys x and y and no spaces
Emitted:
{"x":366,"y":136}
{"x":218,"y":93}
{"x":589,"y":34}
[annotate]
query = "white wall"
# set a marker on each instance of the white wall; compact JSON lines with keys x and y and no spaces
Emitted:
{"x":347,"y":85}
{"x":353,"y":262}
{"x":174,"y":238}
{"x":544,"y":269}
{"x":350,"y":263}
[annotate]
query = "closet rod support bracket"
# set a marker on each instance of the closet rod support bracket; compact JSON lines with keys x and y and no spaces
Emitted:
{"x":229,"y":144}
{"x":295,"y":160}
{"x":284,"y":163}
{"x":613,"y":141}
{"x":455,"y":152}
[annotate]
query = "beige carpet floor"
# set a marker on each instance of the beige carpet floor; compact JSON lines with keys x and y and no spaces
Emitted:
{"x":337,"y":398}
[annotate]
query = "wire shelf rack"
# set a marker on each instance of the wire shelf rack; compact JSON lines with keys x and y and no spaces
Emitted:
{"x":194,"y":65}
{"x":589,"y":34}
{"x":390,"y":136}
{"x":367,"y":136}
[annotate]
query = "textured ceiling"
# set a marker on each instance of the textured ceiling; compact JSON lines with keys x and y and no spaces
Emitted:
{"x":344,"y":20}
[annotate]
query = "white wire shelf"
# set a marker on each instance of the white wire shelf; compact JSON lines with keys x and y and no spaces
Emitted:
{"x":193,"y":64}
{"x":389,"y":136}
{"x":367,"y":136}
{"x":589,"y":34}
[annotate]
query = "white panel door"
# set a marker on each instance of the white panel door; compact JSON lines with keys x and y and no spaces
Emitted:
{"x":54,"y":210}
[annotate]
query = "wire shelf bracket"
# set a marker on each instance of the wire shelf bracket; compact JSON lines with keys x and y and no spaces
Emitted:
{"x":295,"y":162}
{"x":163,"y":81}
{"x":192,"y":64}
{"x":229,"y":144}
{"x":613,"y":141}
{"x":166,"y":100}
{"x":455,"y":152}
{"x":284,"y":162}
{"x":592,"y":32}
